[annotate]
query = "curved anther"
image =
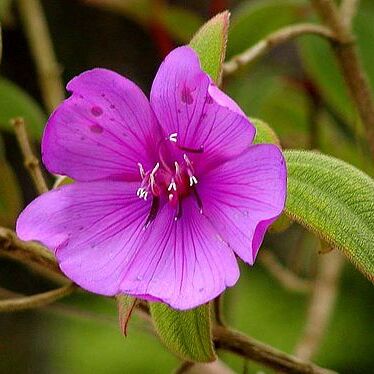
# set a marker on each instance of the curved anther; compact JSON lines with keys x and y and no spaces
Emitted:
{"x":173,"y":137}
{"x":193,"y":180}
{"x":172,"y":185}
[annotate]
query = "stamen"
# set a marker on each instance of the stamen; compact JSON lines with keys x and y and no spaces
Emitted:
{"x":172,"y":185}
{"x":179,"y":211}
{"x":153,"y":211}
{"x":198,"y":199}
{"x":142,"y":193}
{"x":187,"y":160}
{"x":193,"y":180}
{"x":153,"y":172}
{"x":191,"y":150}
{"x":141,"y":170}
{"x":152,"y":179}
{"x":173,"y":137}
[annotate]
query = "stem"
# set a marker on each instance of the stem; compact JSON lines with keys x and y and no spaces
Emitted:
{"x":27,"y":252}
{"x":346,"y":53}
{"x":348,"y":9}
{"x":30,"y":161}
{"x":272,"y":40}
{"x":36,"y":29}
{"x":253,"y":350}
{"x":286,"y":278}
{"x":36,"y":301}
{"x":321,"y":304}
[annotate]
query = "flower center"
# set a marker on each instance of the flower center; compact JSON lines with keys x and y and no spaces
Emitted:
{"x":169,"y":182}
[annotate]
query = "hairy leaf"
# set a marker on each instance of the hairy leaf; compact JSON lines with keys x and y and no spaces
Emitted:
{"x":335,"y":201}
{"x":210,"y":44}
{"x":187,"y":334}
{"x":264,"y":133}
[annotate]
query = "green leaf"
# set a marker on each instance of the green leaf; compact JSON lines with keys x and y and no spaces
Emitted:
{"x":264,"y":133}
{"x":14,"y":102}
{"x":255,"y":19}
{"x":210,"y":44}
{"x":187,"y":334}
{"x":335,"y":201}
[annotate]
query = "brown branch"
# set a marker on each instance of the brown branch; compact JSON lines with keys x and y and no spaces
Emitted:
{"x":321,"y":304}
{"x":244,"y":346}
{"x":348,"y":10}
{"x":29,"y":253}
{"x":35,"y":301}
{"x":272,"y":40}
{"x":30,"y":161}
{"x":36,"y":29}
{"x":286,"y":278}
{"x":347,"y":56}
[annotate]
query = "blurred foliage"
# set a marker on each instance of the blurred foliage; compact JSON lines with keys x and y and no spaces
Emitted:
{"x":10,"y":194}
{"x":15,"y":102}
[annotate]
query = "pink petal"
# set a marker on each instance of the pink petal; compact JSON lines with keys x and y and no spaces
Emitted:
{"x":187,"y":103}
{"x":242,"y":197}
{"x":103,"y":130}
{"x":97,"y":231}
{"x":184,"y":263}
{"x":69,"y":212}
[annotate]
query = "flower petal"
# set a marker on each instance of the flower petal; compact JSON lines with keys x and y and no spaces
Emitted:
{"x":242,"y":197}
{"x":103,"y":130}
{"x":68,"y":213}
{"x":187,"y":103}
{"x":97,"y":229}
{"x":184,"y":263}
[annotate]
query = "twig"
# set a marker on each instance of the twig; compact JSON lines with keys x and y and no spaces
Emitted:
{"x":274,"y":39}
{"x":36,"y":29}
{"x":348,"y":9}
{"x":321,"y":304}
{"x":30,"y":161}
{"x":35,"y":301}
{"x":286,"y":278}
{"x":244,"y":346}
{"x":346,"y":53}
{"x":28,"y":252}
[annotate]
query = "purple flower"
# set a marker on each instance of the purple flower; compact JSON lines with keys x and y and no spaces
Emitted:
{"x":166,"y":192}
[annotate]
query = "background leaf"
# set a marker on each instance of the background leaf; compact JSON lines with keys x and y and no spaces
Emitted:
{"x":14,"y":102}
{"x":185,"y":333}
{"x":255,"y":19}
{"x":335,"y":201}
{"x":210,"y":44}
{"x":180,"y":23}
